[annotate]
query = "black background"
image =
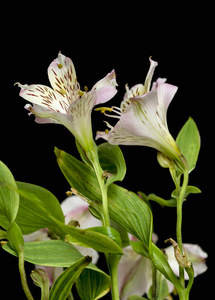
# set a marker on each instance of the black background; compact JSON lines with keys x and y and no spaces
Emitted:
{"x":99,"y":39}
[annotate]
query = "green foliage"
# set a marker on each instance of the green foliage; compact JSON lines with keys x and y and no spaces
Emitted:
{"x":92,"y":285}
{"x":9,"y":198}
{"x":125,"y":207}
{"x":38,"y":209}
{"x":62,"y":286}
{"x":188,"y":141}
{"x":112,"y":162}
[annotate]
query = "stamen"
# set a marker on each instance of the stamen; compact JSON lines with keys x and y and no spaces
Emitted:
{"x":108,"y":125}
{"x":80,"y":93}
{"x":103,"y":109}
{"x":60,"y":66}
{"x":117,"y":117}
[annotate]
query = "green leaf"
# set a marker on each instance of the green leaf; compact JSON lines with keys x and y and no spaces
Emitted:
{"x":190,"y":190}
{"x":161,"y":263}
{"x":79,"y":175}
{"x":38,"y":209}
{"x":9,"y":198}
{"x":134,"y":297}
{"x":131,"y":212}
{"x":102,"y":239}
{"x":92,"y":285}
{"x":188,"y":141}
{"x":62,"y":286}
{"x":112,"y":162}
{"x":15,"y":238}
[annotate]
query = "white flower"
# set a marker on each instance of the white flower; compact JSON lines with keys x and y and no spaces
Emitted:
{"x":65,"y":103}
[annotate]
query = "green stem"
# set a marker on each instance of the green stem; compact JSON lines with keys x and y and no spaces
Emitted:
{"x":113,"y":262}
{"x":23,"y":277}
{"x":103,"y":188}
{"x":179,"y":220}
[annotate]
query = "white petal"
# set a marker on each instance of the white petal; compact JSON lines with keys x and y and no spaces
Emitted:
{"x":74,"y":208}
{"x":44,"y":96}
{"x":62,"y":77}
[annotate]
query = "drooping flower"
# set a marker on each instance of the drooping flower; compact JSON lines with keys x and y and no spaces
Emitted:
{"x":74,"y":209}
{"x":65,"y":103}
{"x":142,"y":117}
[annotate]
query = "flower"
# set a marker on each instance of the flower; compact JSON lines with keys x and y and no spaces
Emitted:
{"x":65,"y":103}
{"x":195,"y":255}
{"x":142,"y":117}
{"x":74,"y":209}
{"x":135,"y":272}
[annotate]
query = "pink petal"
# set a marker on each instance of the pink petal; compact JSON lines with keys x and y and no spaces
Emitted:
{"x":105,"y":88}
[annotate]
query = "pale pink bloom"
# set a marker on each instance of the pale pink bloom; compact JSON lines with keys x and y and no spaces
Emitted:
{"x":195,"y":255}
{"x":135,"y":272}
{"x":142,"y":117}
{"x":65,"y":103}
{"x":75,"y":209}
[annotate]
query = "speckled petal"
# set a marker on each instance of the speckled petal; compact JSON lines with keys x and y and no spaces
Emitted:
{"x":44,"y":96}
{"x":62,"y":77}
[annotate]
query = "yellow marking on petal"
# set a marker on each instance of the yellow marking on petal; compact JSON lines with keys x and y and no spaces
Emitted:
{"x":60,"y":66}
{"x":62,"y":91}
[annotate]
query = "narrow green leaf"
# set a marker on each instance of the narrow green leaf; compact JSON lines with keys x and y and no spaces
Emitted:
{"x":134,"y":297}
{"x":38,"y":209}
{"x":79,"y":175}
{"x":161,"y":263}
{"x":62,"y":286}
{"x":131,"y":212}
{"x":9,"y":198}
{"x":112,"y":162}
{"x":188,"y":141}
{"x":102,"y":239}
{"x":92,"y":285}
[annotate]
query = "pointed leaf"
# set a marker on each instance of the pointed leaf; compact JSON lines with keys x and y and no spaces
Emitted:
{"x":92,"y":285}
{"x":38,"y":207}
{"x":62,"y":286}
{"x":15,"y":238}
{"x":188,"y":141}
{"x":9,"y":198}
{"x":112,"y":162}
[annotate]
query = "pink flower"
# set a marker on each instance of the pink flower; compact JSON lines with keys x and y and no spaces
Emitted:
{"x":142,"y":117}
{"x":75,"y":209}
{"x":65,"y":103}
{"x":135,"y":272}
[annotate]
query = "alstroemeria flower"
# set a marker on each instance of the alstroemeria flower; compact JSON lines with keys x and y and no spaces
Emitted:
{"x":65,"y":103}
{"x":74,"y":209}
{"x":142,"y":117}
{"x":135,"y":273}
{"x":195,"y":255}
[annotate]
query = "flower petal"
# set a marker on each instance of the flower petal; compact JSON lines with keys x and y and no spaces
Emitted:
{"x":62,"y":77}
{"x":195,"y":255}
{"x":134,"y":274}
{"x":136,"y":90}
{"x":166,"y":92}
{"x":75,"y":208}
{"x":44,"y":96}
{"x":149,"y":75}
{"x":105,"y":88}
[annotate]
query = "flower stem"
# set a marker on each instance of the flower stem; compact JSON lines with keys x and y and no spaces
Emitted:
{"x":103,"y":188}
{"x":179,"y":220}
{"x":23,"y":277}
{"x":113,"y":261}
